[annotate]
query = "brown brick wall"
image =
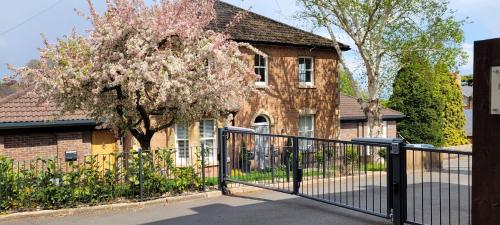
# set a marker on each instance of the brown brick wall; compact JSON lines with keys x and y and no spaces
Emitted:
{"x":391,"y":129}
{"x":349,"y":130}
{"x":31,"y":146}
{"x":283,"y":99}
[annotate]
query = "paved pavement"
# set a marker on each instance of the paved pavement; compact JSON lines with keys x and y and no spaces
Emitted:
{"x":257,"y":208}
{"x":441,"y":196}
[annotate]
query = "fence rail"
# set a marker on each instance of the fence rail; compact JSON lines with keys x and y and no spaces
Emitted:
{"x":381,"y":177}
{"x":347,"y":174}
{"x":126,"y":176}
{"x":438,"y":186}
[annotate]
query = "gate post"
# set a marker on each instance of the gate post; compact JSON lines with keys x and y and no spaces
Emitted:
{"x":222,"y":146}
{"x":397,"y":182}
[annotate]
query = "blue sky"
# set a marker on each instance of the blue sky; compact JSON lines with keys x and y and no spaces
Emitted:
{"x":20,"y":38}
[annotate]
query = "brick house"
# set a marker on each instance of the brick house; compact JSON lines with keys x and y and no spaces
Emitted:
{"x":296,"y":92}
{"x":353,"y":121}
{"x":29,"y":130}
{"x":296,"y":96}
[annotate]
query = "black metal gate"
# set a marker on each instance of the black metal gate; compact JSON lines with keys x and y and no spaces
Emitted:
{"x":365,"y":175}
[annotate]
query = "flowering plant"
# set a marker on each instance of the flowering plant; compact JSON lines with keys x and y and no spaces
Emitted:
{"x":144,"y":68}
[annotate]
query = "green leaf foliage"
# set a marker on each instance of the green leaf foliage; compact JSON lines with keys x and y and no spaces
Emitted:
{"x":453,"y":114}
{"x":430,"y":97}
{"x":415,"y":95}
{"x":345,"y":86}
{"x":50,"y":184}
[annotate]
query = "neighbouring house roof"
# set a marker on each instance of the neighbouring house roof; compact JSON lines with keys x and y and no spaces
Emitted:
{"x":350,"y":110}
{"x":257,"y":29}
{"x":6,"y":90}
{"x":22,"y":110}
{"x":468,"y":122}
{"x":467,"y":90}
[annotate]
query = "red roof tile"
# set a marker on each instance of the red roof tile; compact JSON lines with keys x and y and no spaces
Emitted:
{"x":22,"y":106}
{"x":350,"y":109}
{"x":255,"y":28}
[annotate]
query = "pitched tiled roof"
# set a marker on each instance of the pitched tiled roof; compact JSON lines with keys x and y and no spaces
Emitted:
{"x":350,"y":109}
{"x":22,"y":107}
{"x":254,"y":28}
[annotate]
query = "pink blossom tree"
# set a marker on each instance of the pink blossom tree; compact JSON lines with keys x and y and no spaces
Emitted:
{"x":144,"y":68}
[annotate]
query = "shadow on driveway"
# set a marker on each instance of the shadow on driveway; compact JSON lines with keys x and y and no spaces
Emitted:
{"x":266,"y":211}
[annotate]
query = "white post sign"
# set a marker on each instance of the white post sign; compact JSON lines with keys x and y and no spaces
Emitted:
{"x":495,"y":90}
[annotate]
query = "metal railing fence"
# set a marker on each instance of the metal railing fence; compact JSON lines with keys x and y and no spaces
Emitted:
{"x":136,"y":175}
{"x":381,"y":177}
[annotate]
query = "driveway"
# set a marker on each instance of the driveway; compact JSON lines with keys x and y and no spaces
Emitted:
{"x":255,"y":208}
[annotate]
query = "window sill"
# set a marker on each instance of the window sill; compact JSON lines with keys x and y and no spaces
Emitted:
{"x":306,"y":86}
{"x":260,"y":85}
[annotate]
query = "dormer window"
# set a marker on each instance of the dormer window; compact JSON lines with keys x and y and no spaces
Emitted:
{"x":261,"y":69}
{"x":306,"y":71}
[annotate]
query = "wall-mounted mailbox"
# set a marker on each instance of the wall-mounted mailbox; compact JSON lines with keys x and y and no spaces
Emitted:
{"x":495,"y":90}
{"x":70,"y":156}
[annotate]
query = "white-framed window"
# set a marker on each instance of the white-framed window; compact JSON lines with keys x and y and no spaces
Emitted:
{"x":207,"y":136}
{"x":182,"y":141}
{"x":261,"y":69}
{"x":384,"y":129}
{"x":306,"y":126}
{"x":306,"y":129}
{"x":306,"y":70}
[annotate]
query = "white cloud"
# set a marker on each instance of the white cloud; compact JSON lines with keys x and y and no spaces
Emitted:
{"x":2,"y":42}
{"x":467,"y":68}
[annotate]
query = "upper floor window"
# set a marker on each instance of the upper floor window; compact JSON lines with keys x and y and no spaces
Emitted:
{"x":306,"y":70}
{"x":261,"y":69}
{"x":182,"y":141}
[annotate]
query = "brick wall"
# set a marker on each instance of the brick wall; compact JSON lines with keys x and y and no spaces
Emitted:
{"x":282,"y":101}
{"x":349,"y":130}
{"x":31,"y":146}
{"x":391,"y":129}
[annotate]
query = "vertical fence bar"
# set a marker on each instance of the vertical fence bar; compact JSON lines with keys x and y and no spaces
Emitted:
{"x":222,"y":134}
{"x":140,"y":175}
{"x":204,"y":188}
{"x":2,"y":172}
{"x":219,"y":156}
{"x":272,"y":164}
{"x":288,"y":151}
{"x":295,"y":165}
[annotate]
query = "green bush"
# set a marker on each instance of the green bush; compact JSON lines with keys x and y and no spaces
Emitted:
{"x":382,"y":153}
{"x":7,"y":181}
{"x":323,"y":155}
{"x":243,"y":157}
{"x":49,"y":184}
{"x":430,"y":97}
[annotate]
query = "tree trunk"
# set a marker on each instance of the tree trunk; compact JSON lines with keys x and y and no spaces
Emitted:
{"x":143,"y":139}
{"x":374,"y":118}
{"x":146,"y":144}
{"x":372,"y":107}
